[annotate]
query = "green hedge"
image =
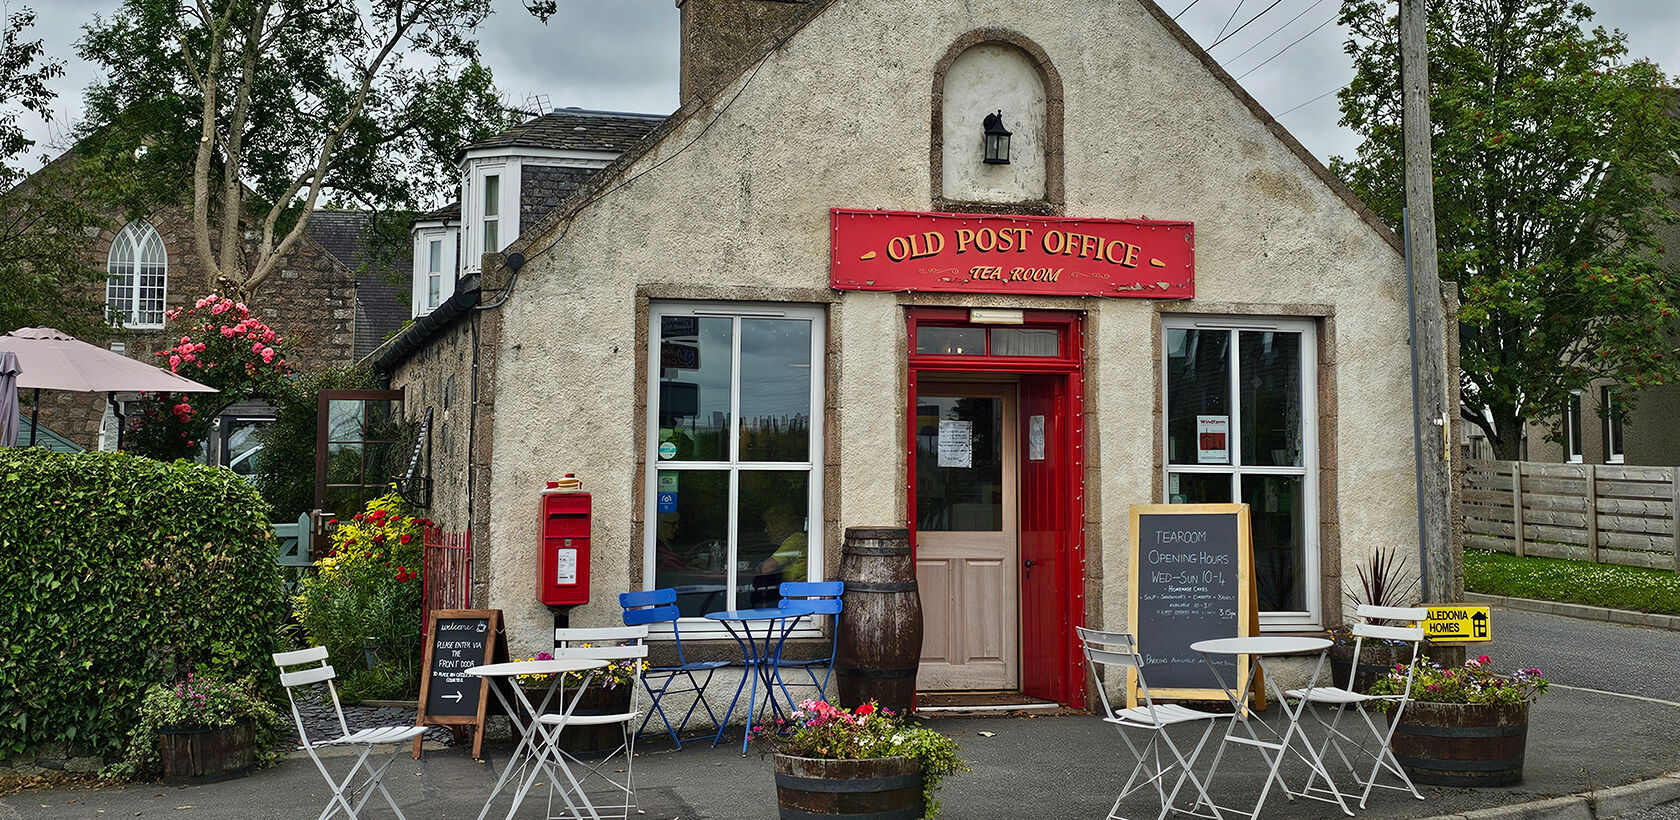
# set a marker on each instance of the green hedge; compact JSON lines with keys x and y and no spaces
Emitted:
{"x":120,"y":572}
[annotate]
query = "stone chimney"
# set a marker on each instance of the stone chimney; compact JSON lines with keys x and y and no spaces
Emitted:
{"x":720,"y":36}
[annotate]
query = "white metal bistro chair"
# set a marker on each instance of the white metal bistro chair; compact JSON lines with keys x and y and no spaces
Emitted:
{"x":614,"y":644}
{"x":316,"y":670}
{"x":1117,"y":651}
{"x":1342,"y":698}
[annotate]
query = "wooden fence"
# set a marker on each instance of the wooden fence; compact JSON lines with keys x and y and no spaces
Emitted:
{"x":1605,"y":513}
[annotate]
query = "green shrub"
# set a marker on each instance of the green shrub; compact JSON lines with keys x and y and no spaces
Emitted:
{"x":121,"y":572}
{"x":368,"y":586}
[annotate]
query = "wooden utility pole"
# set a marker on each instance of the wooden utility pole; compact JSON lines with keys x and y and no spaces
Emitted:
{"x":1440,"y":559}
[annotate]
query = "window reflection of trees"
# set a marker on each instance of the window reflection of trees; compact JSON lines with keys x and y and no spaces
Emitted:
{"x":943,"y":492}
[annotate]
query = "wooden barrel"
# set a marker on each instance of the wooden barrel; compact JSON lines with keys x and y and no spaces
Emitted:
{"x":880,"y":620}
{"x":1458,"y":744}
{"x":203,"y":754}
{"x":882,"y":788}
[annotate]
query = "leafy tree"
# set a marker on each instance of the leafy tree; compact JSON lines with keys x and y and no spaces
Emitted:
{"x":1551,"y":151}
{"x":43,"y":277}
{"x":274,"y":107}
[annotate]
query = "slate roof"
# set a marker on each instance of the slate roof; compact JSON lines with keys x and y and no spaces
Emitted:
{"x":448,"y":213}
{"x":577,"y":129}
{"x":381,"y":300}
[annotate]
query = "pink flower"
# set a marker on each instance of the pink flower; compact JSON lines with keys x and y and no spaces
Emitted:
{"x":268,"y":355}
{"x":186,"y":339}
{"x":256,"y":347}
{"x":203,"y":302}
{"x":268,"y":336}
{"x":219,"y":308}
{"x":174,"y":362}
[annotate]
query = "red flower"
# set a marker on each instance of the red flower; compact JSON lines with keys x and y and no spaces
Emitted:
{"x":866,"y":709}
{"x":406,"y":538}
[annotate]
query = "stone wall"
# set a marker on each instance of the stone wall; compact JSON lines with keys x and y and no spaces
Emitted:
{"x":310,"y":301}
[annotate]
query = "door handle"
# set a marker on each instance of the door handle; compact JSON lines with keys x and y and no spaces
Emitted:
{"x":1029,"y":563}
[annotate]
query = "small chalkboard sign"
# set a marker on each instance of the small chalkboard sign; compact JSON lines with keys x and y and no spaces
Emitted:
{"x":1192,"y":580}
{"x":458,"y":640}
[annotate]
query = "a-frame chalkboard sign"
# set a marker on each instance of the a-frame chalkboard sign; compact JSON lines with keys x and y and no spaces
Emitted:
{"x":1192,"y":579}
{"x":457,"y":640}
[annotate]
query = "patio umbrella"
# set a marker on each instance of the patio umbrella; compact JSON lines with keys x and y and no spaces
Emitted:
{"x":8,"y":399}
{"x":51,"y":360}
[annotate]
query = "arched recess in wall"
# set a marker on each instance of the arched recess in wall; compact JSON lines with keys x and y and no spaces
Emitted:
{"x":985,"y":70}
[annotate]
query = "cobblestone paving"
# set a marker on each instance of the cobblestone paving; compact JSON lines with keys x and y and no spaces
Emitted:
{"x":321,"y":723}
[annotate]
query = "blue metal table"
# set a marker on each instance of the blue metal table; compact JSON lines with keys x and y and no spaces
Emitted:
{"x":759,"y":655}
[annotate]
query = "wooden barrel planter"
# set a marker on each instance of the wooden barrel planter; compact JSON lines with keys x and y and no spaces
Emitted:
{"x":1458,"y":744}
{"x":204,"y":754}
{"x":880,"y":621}
{"x":883,"y":788}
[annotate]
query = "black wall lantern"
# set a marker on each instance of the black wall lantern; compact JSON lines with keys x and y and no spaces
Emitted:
{"x":997,"y":140}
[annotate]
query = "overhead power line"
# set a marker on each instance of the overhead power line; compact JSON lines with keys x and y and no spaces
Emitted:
{"x":1245,"y":25}
{"x":1310,"y":102}
{"x":1275,"y":32}
{"x":1229,"y":19}
{"x":1287,"y":47}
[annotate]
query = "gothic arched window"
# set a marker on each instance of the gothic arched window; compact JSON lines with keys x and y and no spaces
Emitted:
{"x":137,"y":275}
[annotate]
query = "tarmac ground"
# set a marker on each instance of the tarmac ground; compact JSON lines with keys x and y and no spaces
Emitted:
{"x":1025,"y":765}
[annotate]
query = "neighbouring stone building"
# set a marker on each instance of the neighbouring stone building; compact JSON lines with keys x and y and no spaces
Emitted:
{"x":827,"y":289}
{"x":331,"y":299}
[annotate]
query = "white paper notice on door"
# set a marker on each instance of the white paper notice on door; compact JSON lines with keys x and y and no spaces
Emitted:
{"x":1212,"y":433}
{"x":565,"y":566}
{"x":956,"y":443}
{"x":1035,"y":438}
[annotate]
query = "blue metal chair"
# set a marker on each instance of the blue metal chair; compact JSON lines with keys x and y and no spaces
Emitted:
{"x":660,"y":606}
{"x":822,"y":598}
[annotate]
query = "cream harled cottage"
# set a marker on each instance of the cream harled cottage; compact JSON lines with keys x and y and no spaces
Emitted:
{"x":752,"y":331}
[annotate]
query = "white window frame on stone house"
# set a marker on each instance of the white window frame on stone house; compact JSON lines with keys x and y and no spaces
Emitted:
{"x":137,"y":277}
{"x":738,"y":467}
{"x":475,"y":221}
{"x":424,"y":277}
{"x":1185,"y":463}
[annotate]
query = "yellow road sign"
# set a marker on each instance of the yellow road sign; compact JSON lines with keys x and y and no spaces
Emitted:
{"x":1459,"y":623}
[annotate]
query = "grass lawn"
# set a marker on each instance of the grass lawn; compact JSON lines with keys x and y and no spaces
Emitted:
{"x":1574,"y":582}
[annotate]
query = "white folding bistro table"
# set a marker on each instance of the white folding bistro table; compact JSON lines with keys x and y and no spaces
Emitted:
{"x":1259,"y":648}
{"x":538,"y":742}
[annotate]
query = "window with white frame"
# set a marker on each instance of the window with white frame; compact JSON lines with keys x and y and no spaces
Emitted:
{"x":137,"y":273}
{"x":434,"y":272}
{"x":491,"y":212}
{"x":1611,"y":410}
{"x":734,"y":438}
{"x":1572,"y":427}
{"x":1241,"y":425}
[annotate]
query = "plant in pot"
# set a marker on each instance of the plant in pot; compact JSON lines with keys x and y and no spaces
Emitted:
{"x":1383,"y":581}
{"x":890,"y":767}
{"x":1465,"y":725}
{"x":609,"y":693}
{"x":201,"y":728}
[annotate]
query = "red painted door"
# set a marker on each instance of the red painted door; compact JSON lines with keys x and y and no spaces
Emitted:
{"x":1043,"y":535}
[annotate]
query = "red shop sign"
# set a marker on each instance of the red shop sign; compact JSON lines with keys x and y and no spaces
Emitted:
{"x":974,"y":253}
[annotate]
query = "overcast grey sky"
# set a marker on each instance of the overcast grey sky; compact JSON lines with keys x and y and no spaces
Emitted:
{"x":621,"y":55}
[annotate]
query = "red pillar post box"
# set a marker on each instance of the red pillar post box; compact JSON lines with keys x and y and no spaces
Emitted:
{"x":563,"y":560}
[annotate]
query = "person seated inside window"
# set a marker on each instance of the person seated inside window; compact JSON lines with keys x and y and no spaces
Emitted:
{"x":786,"y":530}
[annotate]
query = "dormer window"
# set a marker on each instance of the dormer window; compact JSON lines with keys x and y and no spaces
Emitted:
{"x":492,"y":213}
{"x":434,"y":272}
